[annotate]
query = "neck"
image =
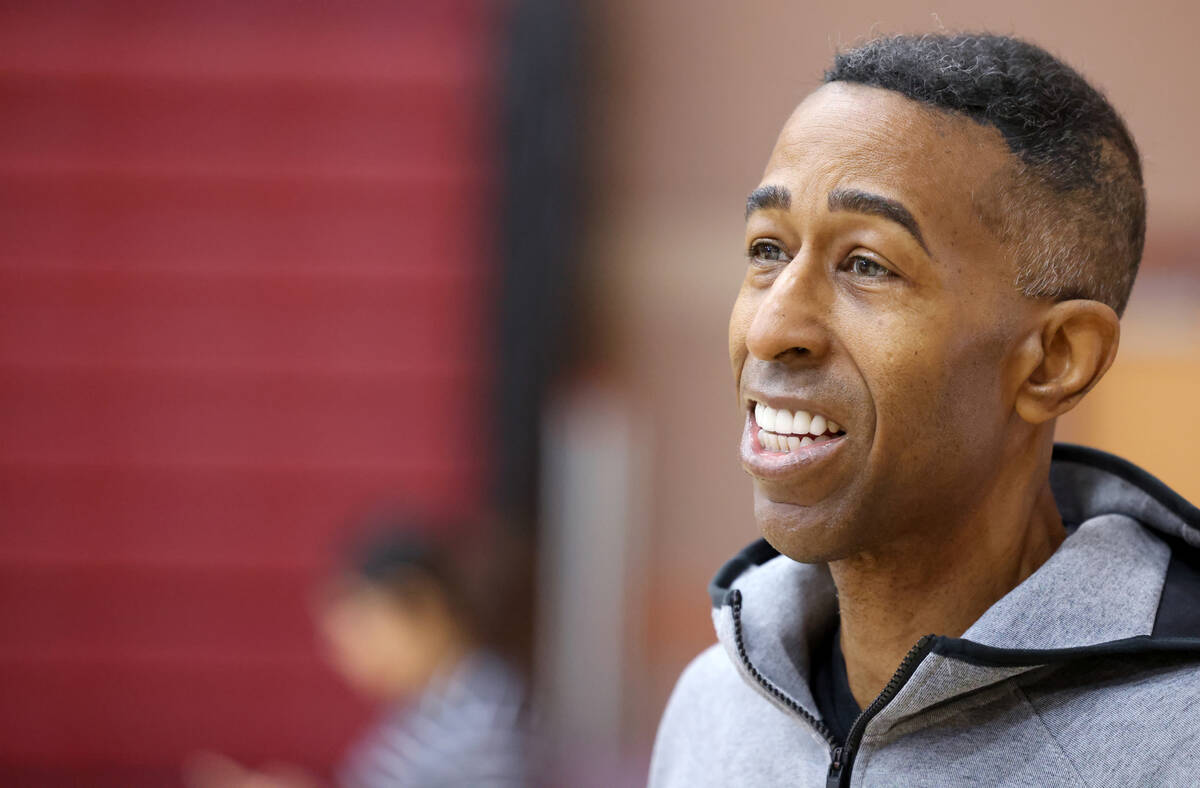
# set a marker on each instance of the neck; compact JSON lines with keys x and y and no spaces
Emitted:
{"x":890,"y":599}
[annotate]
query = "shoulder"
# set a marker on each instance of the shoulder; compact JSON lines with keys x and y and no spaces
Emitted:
{"x":468,"y":728}
{"x":717,"y":730}
{"x":1100,"y":713}
{"x":692,"y":722}
{"x":709,"y":670}
{"x":708,"y":688}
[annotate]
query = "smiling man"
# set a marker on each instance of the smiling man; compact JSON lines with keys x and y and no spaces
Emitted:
{"x":937,"y":257}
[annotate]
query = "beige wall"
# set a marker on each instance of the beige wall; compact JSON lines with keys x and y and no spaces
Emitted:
{"x":686,"y":100}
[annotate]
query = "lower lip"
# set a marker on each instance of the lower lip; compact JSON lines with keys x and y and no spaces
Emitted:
{"x":778,"y":464}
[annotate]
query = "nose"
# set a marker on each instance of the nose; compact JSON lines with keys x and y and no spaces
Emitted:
{"x":790,"y":323}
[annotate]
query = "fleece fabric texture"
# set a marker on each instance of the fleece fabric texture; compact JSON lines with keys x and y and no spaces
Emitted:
{"x":1086,"y":674}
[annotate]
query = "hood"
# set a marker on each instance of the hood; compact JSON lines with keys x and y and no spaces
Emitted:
{"x":1126,"y":580}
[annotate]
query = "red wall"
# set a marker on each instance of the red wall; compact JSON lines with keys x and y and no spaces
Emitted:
{"x":244,"y":258}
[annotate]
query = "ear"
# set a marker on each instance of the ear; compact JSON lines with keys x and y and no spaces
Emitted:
{"x":1078,"y":342}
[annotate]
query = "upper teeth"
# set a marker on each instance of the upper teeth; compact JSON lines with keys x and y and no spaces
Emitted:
{"x":785,"y":422}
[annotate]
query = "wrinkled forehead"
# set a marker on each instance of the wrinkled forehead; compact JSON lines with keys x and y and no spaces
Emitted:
{"x":938,"y":164}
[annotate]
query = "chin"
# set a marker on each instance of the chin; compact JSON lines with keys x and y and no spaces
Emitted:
{"x":810,"y":534}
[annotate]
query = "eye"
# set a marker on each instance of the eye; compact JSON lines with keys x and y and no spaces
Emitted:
{"x":867,"y":268}
{"x":768,"y":252}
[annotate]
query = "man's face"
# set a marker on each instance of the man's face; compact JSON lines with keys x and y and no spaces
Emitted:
{"x":380,"y":646}
{"x":876,"y":298}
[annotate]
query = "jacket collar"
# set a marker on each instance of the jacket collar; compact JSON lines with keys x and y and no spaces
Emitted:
{"x":1101,"y":591}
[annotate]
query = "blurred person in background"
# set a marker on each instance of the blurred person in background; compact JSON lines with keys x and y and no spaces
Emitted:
{"x":938,"y":254}
{"x":399,"y":626}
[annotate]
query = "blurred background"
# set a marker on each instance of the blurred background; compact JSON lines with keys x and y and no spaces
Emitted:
{"x":263,"y":264}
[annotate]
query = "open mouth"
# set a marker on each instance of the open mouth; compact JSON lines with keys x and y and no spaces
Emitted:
{"x":784,"y":431}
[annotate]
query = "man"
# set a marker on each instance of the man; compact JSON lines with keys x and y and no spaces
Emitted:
{"x":938,"y":253}
{"x":400,"y":629}
{"x":398,"y":626}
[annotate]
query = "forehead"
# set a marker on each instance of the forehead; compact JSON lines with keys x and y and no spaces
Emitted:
{"x":941,"y":167}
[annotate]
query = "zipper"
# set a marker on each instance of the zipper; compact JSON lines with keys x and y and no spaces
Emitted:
{"x":735,"y":602}
{"x":843,"y":757}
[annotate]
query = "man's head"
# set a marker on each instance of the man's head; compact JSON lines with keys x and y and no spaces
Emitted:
{"x":395,"y":611}
{"x":938,"y":250}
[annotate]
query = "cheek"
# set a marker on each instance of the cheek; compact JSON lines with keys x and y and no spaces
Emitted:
{"x":739,"y":326}
{"x":941,"y":390}
{"x":346,"y":649}
{"x":973,"y":396}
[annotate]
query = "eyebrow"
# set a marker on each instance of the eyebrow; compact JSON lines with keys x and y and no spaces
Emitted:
{"x":767,"y":197}
{"x":876,"y":205}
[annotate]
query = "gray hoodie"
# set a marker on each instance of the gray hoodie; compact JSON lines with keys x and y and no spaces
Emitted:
{"x":1087,"y":673}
